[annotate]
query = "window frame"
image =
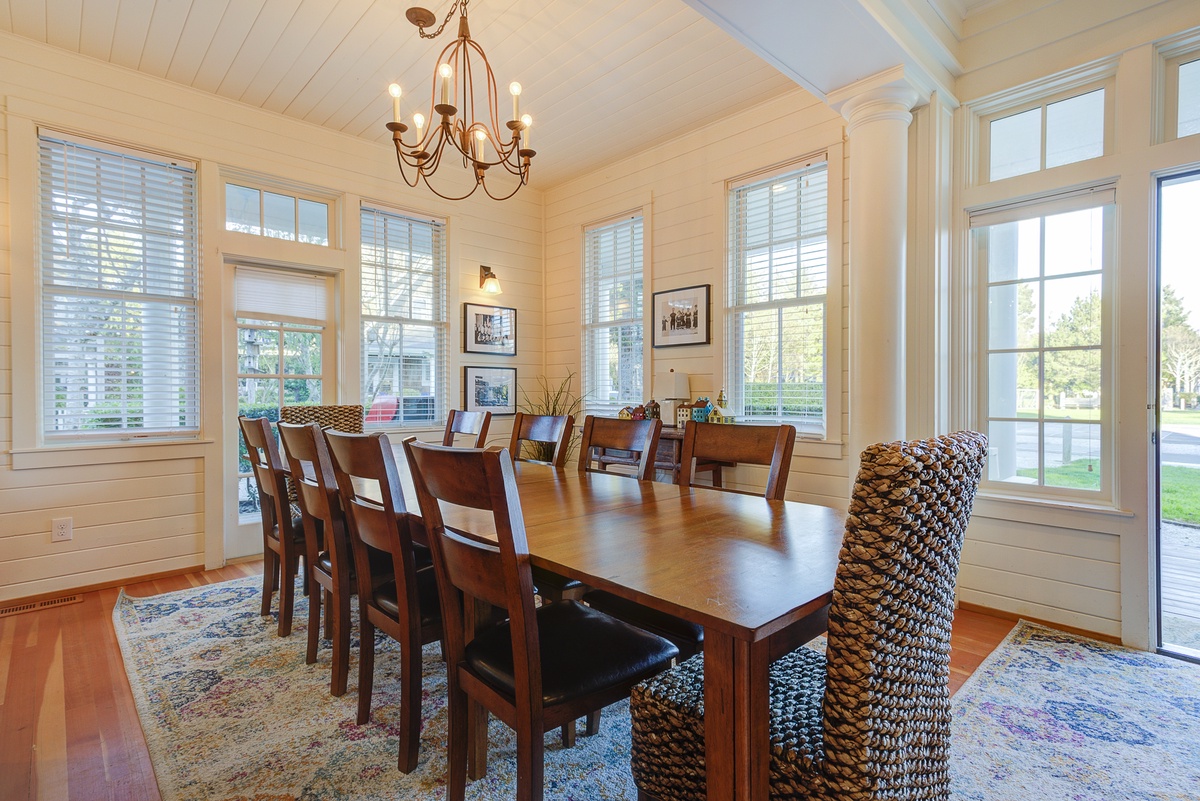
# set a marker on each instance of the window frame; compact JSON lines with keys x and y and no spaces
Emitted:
{"x":75,"y":438}
{"x":440,"y":321}
{"x":297,"y":192}
{"x":590,"y":404}
{"x":1172,"y":54}
{"x":831,"y":443}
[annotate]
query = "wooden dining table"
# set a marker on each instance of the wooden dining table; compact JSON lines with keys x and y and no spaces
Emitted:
{"x":757,"y":574}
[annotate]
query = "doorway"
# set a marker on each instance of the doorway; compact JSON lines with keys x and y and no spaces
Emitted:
{"x":1178,"y":433}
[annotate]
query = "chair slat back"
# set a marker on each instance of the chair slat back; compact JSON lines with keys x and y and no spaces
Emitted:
{"x":553,"y":432}
{"x":470,"y":423}
{"x":498,"y":572}
{"x":311,"y":469}
{"x":744,"y":444}
{"x":263,"y":452}
{"x":893,"y":603}
{"x":370,"y":492}
{"x":639,"y":436}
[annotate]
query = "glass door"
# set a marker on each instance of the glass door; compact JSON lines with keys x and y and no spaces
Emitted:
{"x":1179,"y":415}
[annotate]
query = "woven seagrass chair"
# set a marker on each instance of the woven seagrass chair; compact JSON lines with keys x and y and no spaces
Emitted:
{"x":283,"y":532}
{"x":871,"y":720}
{"x":348,"y":418}
{"x":544,"y":666}
{"x":474,"y":424}
{"x":404,"y":607}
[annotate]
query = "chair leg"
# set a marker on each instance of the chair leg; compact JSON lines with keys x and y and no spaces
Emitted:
{"x":270,"y":567}
{"x":531,"y":757}
{"x":477,"y":740}
{"x":287,"y":595}
{"x":568,"y":734}
{"x":410,"y":705}
{"x":328,"y":599}
{"x":456,"y":769}
{"x":314,"y":621}
{"x":366,"y":666}
{"x":593,"y":724}
{"x":338,"y":608}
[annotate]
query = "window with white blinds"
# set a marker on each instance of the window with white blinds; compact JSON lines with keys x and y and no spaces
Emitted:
{"x":404,"y":325}
{"x":612,"y":312}
{"x":119,"y":292}
{"x":776,"y":312}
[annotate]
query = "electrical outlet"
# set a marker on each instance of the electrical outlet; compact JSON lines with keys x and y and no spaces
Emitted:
{"x":60,"y":529}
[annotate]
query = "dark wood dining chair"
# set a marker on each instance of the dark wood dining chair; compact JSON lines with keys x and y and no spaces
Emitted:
{"x":744,"y":444}
{"x":868,"y":717}
{"x":545,"y":665}
{"x":546,"y":437}
{"x":328,"y":555}
{"x":283,"y":534}
{"x":473,"y":424}
{"x":405,"y":607}
{"x":608,"y":433}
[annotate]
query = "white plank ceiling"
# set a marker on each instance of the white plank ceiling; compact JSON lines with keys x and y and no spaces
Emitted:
{"x":602,"y":78}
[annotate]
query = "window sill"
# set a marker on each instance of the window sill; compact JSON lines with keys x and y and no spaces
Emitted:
{"x":1049,"y":511}
{"x":84,"y":454}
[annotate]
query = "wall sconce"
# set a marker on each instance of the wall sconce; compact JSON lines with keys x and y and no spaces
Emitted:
{"x":488,"y":281}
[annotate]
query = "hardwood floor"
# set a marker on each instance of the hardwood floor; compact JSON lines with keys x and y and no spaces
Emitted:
{"x":68,"y":727}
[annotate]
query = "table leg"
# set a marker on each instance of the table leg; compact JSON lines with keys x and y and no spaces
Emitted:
{"x":736,"y":715}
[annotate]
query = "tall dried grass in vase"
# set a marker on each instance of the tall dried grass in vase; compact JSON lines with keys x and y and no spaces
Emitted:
{"x":552,"y":400}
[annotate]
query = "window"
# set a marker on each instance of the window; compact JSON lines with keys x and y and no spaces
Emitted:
{"x":612,"y":315}
{"x":249,"y":210}
{"x":119,"y":293}
{"x":776,"y":313}
{"x":1045,"y":269}
{"x":404,"y":326}
{"x":1049,"y":135}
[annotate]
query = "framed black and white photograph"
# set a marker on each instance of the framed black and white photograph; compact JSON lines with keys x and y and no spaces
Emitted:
{"x":681,"y":317}
{"x":489,"y":329}
{"x":490,"y":389}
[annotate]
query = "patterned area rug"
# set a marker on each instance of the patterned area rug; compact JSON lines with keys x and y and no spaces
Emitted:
{"x":1053,"y":716}
{"x":230,"y":711}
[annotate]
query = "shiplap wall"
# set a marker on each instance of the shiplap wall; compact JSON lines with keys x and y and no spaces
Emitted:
{"x":681,"y":185}
{"x":143,"y":511}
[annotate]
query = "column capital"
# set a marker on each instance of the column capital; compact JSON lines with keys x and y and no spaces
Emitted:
{"x":888,"y":95}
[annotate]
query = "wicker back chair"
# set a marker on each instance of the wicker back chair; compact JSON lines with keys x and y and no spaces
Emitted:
{"x":872,"y":719}
{"x":348,"y":418}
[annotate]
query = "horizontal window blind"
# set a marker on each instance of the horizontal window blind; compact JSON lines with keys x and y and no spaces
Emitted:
{"x":612,"y":302}
{"x":404,"y":325}
{"x":776,"y":314}
{"x":277,"y":295}
{"x":119,"y":292}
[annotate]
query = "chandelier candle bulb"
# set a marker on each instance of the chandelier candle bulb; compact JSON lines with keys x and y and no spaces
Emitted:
{"x":528,"y":122}
{"x":419,"y":124}
{"x":445,"y":71}
{"x":515,"y":88}
{"x":394,"y":91}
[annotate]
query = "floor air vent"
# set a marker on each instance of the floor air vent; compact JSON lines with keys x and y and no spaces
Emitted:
{"x":33,"y":606}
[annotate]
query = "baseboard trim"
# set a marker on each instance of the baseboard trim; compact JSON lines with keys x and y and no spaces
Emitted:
{"x":1003,"y":615}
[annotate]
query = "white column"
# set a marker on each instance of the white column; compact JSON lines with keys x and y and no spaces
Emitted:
{"x":878,"y":117}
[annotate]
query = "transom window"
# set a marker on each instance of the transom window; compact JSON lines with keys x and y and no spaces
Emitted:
{"x":1045,"y":395}
{"x":1049,"y":135}
{"x":120,"y":285}
{"x":262,"y":212}
{"x":778,"y":292}
{"x":612,"y":312}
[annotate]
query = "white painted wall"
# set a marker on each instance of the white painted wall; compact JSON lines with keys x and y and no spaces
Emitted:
{"x":142,"y":510}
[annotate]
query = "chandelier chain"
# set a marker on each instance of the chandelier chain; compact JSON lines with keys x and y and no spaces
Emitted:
{"x":446,"y":21}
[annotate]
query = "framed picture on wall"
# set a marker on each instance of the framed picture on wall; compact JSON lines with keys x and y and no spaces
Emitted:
{"x":489,"y":329}
{"x":681,"y":317}
{"x":490,"y":389}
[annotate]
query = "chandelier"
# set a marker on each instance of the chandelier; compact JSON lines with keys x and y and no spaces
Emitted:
{"x":457,"y":126}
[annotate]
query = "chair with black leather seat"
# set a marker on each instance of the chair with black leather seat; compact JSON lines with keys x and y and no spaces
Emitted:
{"x":606,"y":433}
{"x":471,"y":424}
{"x":546,"y":437}
{"x":744,"y":444}
{"x":283,"y":534}
{"x":406,"y":607}
{"x":544,"y":666}
{"x":328,"y":554}
{"x":869,"y":718}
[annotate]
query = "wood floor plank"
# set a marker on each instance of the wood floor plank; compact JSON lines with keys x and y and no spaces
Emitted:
{"x":61,"y":675}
